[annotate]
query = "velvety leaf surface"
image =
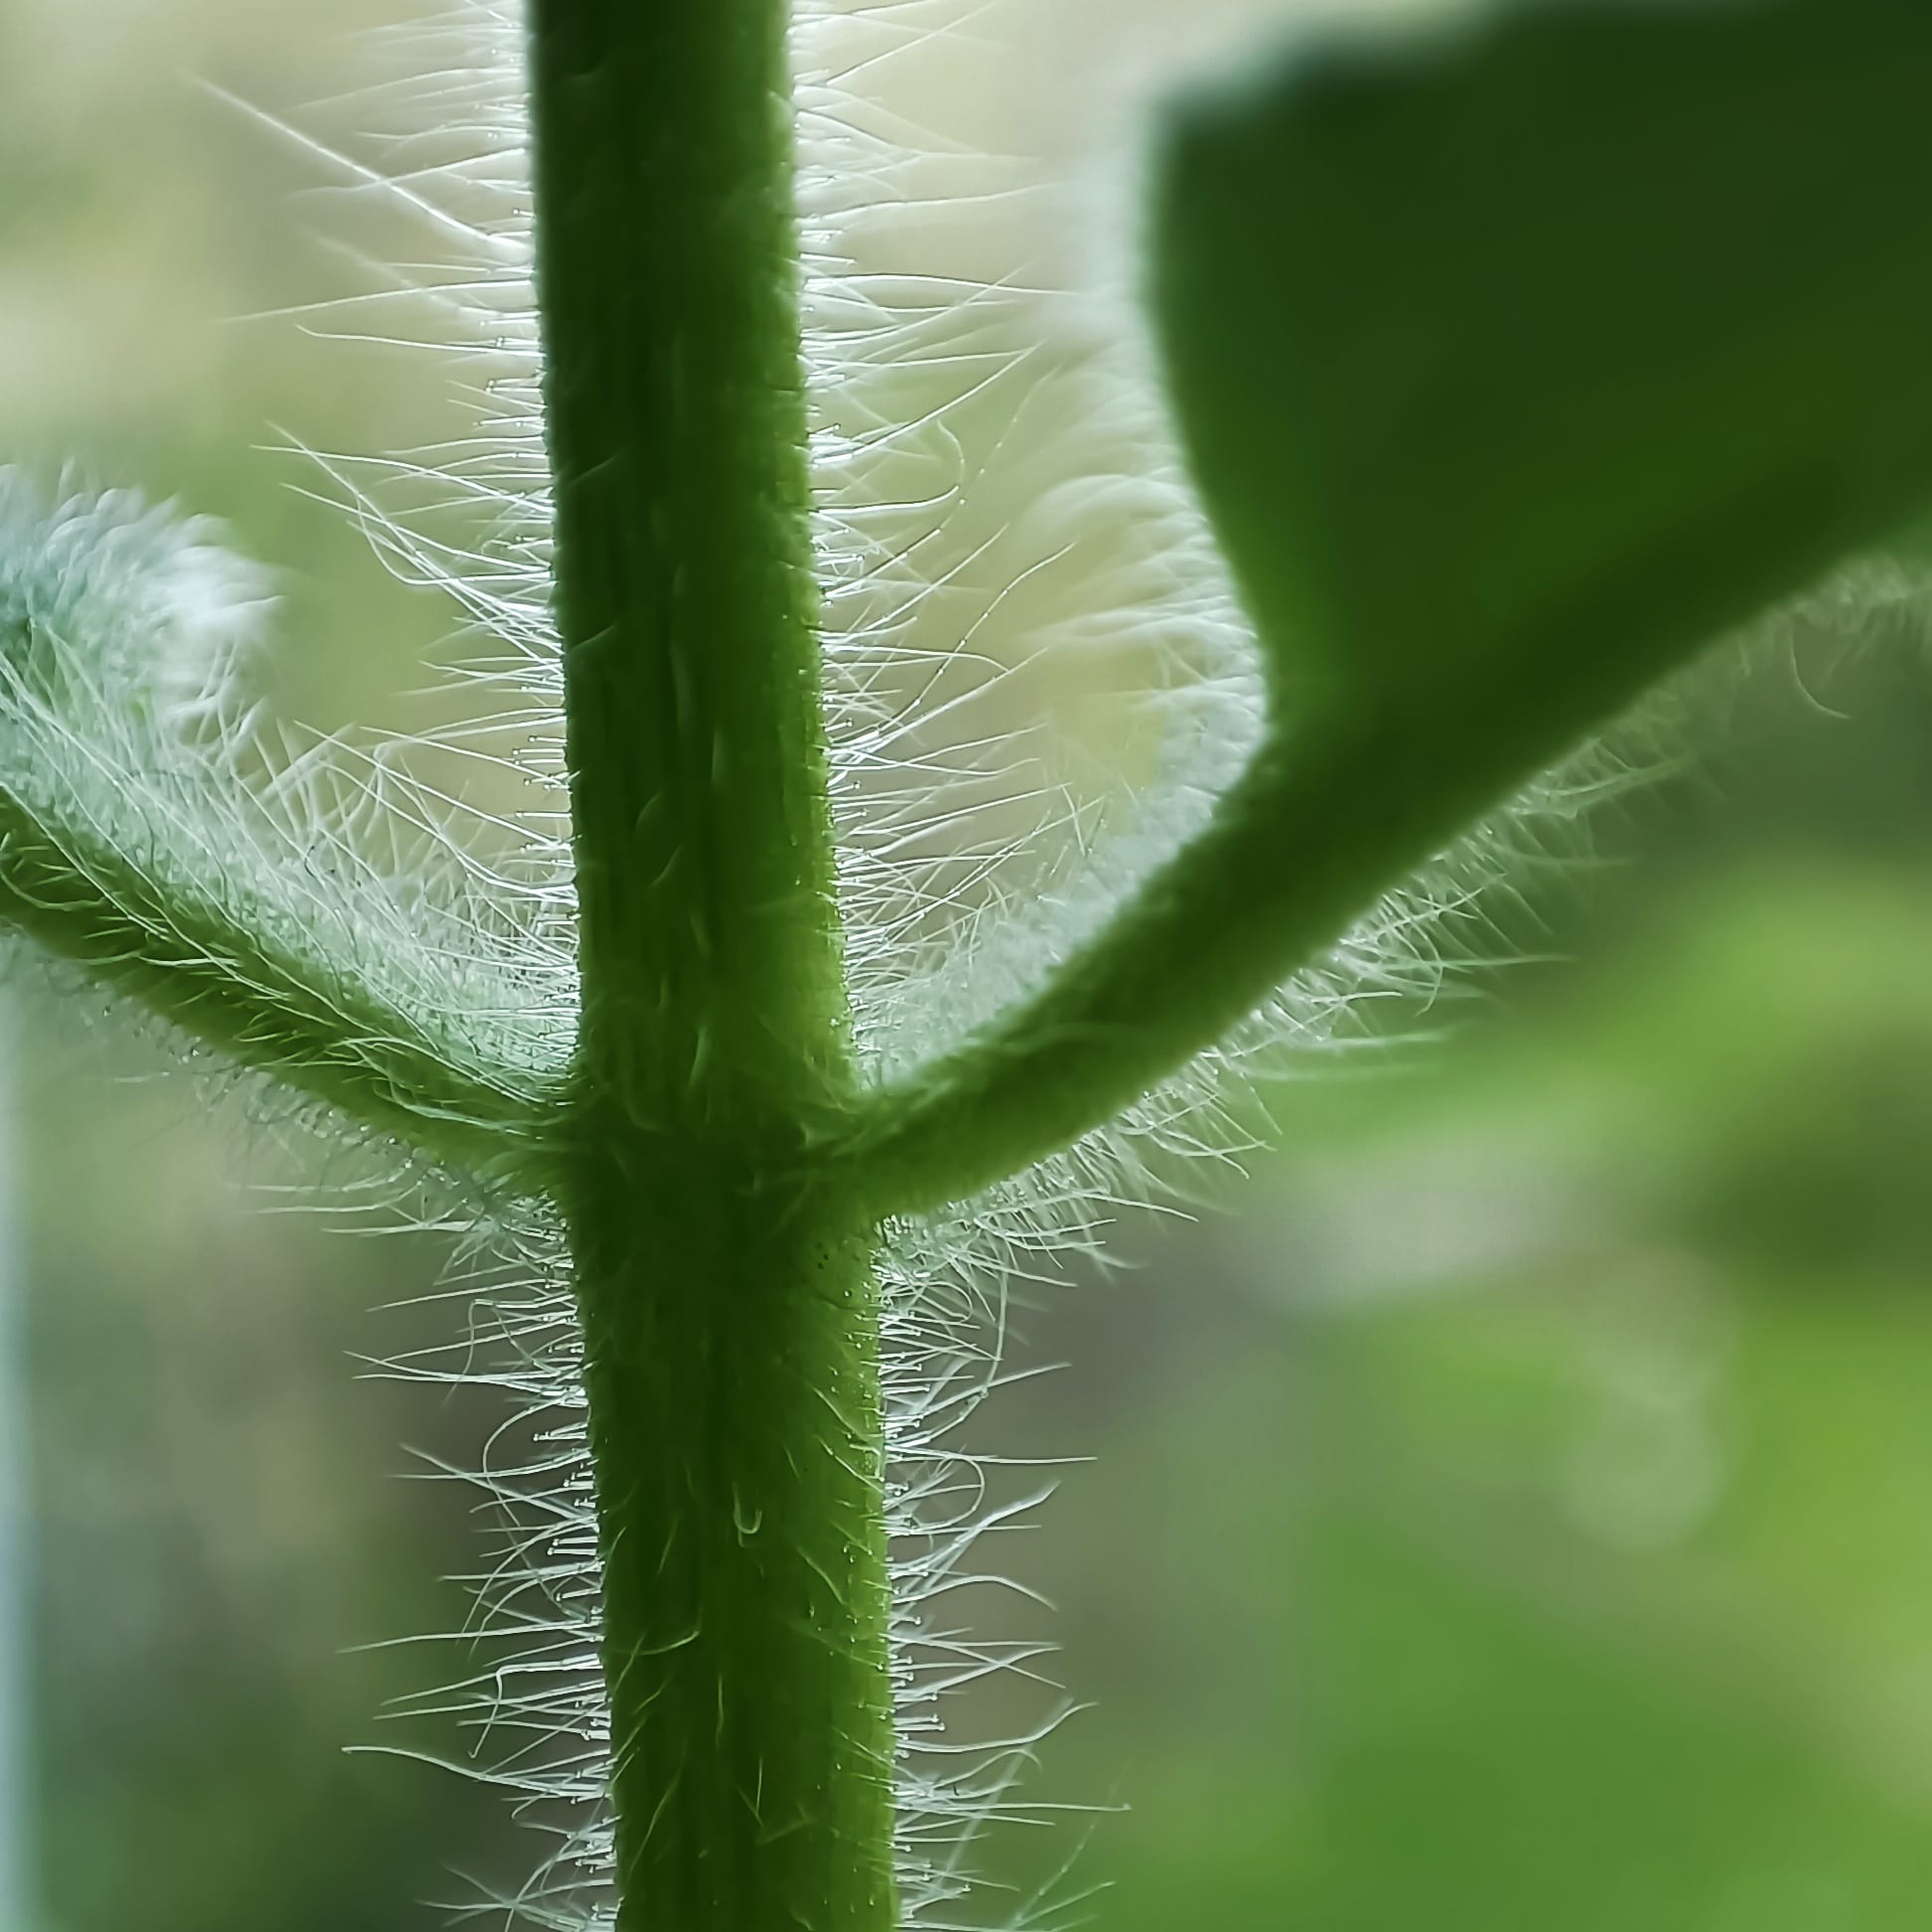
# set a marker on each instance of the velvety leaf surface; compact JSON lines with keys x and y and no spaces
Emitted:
{"x":1521,"y":357}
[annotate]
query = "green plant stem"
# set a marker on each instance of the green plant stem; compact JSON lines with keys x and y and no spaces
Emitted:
{"x":729,"y":1313}
{"x":1324,"y":820}
{"x":214,"y":968}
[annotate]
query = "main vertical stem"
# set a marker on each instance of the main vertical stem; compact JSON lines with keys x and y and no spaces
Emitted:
{"x":730,"y":1317}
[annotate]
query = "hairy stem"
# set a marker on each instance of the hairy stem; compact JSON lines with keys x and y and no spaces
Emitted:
{"x":1328,"y":818}
{"x":1306,"y":842}
{"x":242,"y":984}
{"x":729,"y":1315}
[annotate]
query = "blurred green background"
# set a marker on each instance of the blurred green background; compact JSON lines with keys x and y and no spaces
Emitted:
{"x":1509,"y":1507}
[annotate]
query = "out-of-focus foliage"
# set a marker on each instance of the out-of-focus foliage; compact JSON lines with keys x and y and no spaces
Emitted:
{"x":1518,"y":1514}
{"x":1493,"y":404}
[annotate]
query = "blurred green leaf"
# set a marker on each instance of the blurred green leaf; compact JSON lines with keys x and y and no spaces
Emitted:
{"x":1516,"y":358}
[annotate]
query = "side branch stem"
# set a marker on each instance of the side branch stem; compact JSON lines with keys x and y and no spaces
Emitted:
{"x":215,"y":970}
{"x":1326,"y":820}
